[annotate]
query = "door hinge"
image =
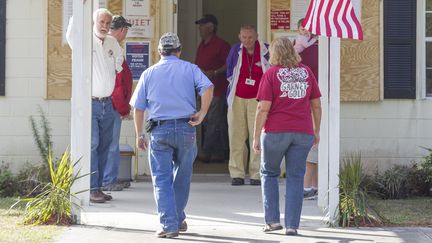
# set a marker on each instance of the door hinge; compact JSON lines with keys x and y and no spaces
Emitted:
{"x":174,"y":8}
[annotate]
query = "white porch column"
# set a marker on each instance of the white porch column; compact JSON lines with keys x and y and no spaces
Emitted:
{"x":81,"y":100}
{"x":323,"y":80}
{"x":329,"y":147}
{"x":334,"y":127}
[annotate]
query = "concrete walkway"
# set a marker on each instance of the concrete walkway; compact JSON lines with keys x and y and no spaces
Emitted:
{"x":217,"y":212}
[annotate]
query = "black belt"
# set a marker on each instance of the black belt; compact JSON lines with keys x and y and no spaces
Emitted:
{"x":160,"y":122}
{"x":101,"y":98}
{"x":154,"y":123}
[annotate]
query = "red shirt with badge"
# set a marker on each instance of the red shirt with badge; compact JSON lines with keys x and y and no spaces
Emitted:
{"x":250,"y":69}
{"x":290,"y":91}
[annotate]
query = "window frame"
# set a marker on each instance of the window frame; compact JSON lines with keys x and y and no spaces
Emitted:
{"x":2,"y":47}
{"x":421,"y":49}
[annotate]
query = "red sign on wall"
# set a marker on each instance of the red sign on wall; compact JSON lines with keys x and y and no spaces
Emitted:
{"x":280,"y":19}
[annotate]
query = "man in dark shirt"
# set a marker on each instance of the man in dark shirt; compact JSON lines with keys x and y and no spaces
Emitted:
{"x":211,"y":59}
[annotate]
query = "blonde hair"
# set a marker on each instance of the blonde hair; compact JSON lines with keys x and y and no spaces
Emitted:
{"x":282,"y":53}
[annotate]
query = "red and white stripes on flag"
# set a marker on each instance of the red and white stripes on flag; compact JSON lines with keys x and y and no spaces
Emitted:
{"x":333,"y":18}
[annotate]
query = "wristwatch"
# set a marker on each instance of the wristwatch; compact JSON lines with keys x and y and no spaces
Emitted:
{"x":142,"y":136}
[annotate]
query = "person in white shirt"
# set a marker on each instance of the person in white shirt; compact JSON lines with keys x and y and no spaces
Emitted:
{"x":107,"y":62}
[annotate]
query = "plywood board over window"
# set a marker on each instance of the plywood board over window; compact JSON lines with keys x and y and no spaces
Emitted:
{"x":360,"y":60}
{"x":59,"y":68}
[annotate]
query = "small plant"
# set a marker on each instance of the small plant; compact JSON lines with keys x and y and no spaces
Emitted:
{"x":53,"y":204}
{"x":426,"y":164}
{"x":353,"y":205}
{"x":8,"y":186}
{"x":394,"y":182}
{"x":400,"y":182}
{"x":42,"y":134}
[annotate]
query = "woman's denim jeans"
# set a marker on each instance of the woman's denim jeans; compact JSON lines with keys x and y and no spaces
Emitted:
{"x":294,"y":147}
{"x":172,"y":152}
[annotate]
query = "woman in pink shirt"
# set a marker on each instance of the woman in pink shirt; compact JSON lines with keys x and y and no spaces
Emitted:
{"x":287,"y":94}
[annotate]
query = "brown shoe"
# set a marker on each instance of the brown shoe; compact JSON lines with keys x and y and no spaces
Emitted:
{"x":96,"y":197}
{"x":183,"y":227}
{"x":106,"y":196}
{"x":164,"y":234}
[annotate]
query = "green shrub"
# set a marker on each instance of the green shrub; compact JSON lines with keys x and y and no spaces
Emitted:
{"x":400,"y":182}
{"x":8,"y":185}
{"x":353,"y":204}
{"x":30,"y":177}
{"x":53,"y":204}
{"x":426,"y":165}
{"x":394,"y":181}
{"x":417,"y":181}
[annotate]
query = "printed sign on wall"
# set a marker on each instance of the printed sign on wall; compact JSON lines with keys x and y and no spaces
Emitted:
{"x":137,"y":57}
{"x":137,"y":12}
{"x":280,"y":19}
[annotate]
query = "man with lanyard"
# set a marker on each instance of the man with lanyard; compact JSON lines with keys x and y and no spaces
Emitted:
{"x":247,"y":61}
{"x":120,"y":99}
{"x":211,"y":59}
{"x":107,"y":62}
{"x":166,"y":91}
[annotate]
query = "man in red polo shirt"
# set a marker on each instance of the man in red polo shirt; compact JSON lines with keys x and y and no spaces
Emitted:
{"x":211,"y":59}
{"x":246,"y":63}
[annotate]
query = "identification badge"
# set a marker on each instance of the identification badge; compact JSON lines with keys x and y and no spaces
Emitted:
{"x":250,"y":81}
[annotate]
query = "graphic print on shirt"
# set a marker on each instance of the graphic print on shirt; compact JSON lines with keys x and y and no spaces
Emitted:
{"x":293,"y":82}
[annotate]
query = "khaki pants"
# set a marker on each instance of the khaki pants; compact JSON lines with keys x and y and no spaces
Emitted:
{"x":241,"y":121}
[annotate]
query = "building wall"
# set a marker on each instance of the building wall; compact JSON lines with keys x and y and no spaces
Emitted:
{"x":388,"y":132}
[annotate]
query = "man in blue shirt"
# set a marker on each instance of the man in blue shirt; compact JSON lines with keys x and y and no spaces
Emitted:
{"x":166,"y":91}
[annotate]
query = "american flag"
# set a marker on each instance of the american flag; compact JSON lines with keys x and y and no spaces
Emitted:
{"x":333,"y":18}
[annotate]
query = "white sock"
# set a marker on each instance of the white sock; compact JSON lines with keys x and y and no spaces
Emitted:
{"x":315,"y":188}
{"x":307,"y":189}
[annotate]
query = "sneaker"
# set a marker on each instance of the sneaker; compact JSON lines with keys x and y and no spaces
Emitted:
{"x":126,"y":184}
{"x":272,"y":227}
{"x":106,"y":196}
{"x":183,"y":227}
{"x":113,"y":187}
{"x":310,"y":194}
{"x":96,"y":197}
{"x":291,"y":232}
{"x":164,"y":234}
{"x":255,"y":182}
{"x":237,"y":181}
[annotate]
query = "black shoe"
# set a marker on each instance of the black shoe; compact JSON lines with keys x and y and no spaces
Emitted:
{"x":255,"y":182}
{"x":237,"y":181}
{"x":291,"y":232}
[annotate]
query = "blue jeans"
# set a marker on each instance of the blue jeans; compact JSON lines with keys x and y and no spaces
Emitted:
{"x":172,"y":152}
{"x":101,"y":136}
{"x":295,"y":148}
{"x":113,"y":160}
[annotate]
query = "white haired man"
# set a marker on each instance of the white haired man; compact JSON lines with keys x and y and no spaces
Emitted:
{"x":107,"y":62}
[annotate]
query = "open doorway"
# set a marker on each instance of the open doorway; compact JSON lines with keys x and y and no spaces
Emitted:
{"x":231,"y":14}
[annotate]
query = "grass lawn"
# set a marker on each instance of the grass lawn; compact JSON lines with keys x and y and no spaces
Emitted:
{"x":12,"y":231}
{"x":405,"y":212}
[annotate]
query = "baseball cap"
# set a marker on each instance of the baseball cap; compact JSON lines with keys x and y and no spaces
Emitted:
{"x":207,"y":18}
{"x":169,"y":41}
{"x":119,"y":22}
